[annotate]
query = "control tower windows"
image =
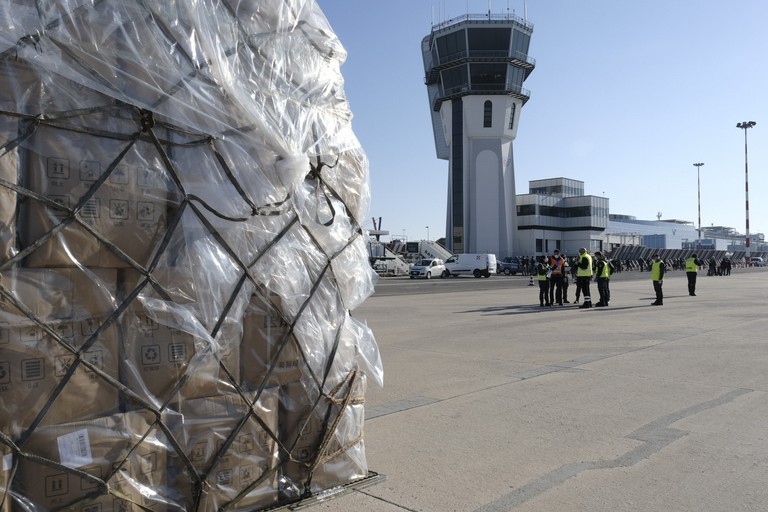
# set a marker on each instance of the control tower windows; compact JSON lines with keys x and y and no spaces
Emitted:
{"x":487,"y":114}
{"x":520,"y":43}
{"x":488,"y":77}
{"x":452,"y":46}
{"x":454,"y":80}
{"x":488,"y":42}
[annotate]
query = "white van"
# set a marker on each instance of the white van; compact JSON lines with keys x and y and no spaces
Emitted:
{"x":471,"y":264}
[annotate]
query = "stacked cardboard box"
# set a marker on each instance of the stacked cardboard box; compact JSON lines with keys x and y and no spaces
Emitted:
{"x":180,"y":191}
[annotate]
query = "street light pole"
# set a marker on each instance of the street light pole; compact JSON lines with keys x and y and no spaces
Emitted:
{"x":427,"y":233}
{"x":698,"y":180}
{"x":745,"y":126}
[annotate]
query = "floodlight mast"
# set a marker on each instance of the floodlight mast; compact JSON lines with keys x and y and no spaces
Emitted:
{"x":746,"y":125}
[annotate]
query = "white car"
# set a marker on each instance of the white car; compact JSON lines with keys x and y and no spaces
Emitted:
{"x":428,"y":268}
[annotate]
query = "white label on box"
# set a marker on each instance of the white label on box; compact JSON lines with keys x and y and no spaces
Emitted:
{"x":7,"y":461}
{"x":75,"y":449}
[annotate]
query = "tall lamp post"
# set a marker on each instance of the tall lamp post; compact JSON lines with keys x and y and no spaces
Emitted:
{"x":427,"y":233}
{"x":698,"y":181}
{"x":745,"y":126}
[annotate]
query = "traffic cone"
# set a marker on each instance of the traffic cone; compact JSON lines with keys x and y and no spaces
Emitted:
{"x":530,"y":281}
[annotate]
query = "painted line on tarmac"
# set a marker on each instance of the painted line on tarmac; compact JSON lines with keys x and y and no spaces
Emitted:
{"x":398,"y":406}
{"x":655,"y":436}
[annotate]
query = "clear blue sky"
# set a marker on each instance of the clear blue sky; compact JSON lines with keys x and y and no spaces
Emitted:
{"x":626,"y":96}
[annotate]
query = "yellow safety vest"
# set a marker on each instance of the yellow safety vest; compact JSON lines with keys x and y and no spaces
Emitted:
{"x":606,"y":270}
{"x":690,"y":265}
{"x":656,"y":270}
{"x":584,"y":272}
{"x":539,"y":268}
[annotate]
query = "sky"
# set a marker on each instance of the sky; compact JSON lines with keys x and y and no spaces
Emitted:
{"x":626,"y":96}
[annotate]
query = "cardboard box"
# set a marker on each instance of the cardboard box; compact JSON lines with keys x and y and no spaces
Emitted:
{"x":6,"y":465}
{"x":35,"y":367}
{"x":128,"y":209}
{"x":325,"y":440}
{"x":268,"y":345}
{"x":229,"y":462}
{"x":9,"y":170}
{"x":113,"y":450}
{"x":156,"y":356}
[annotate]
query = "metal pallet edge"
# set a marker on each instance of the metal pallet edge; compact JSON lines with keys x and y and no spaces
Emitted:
{"x":373,"y":478}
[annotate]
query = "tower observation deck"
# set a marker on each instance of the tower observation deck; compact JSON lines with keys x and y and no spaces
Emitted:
{"x":475,"y":66}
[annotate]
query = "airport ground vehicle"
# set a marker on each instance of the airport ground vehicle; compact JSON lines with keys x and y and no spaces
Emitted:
{"x":478,"y":265}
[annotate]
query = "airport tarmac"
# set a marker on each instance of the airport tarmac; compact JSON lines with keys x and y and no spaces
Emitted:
{"x":491,"y":403}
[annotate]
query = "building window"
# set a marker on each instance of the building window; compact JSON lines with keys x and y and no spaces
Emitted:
{"x":487,"y":114}
{"x":526,"y":209}
{"x":512,"y":117}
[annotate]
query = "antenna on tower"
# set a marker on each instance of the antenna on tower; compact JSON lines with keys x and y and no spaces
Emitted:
{"x":658,"y":215}
{"x":525,"y":10}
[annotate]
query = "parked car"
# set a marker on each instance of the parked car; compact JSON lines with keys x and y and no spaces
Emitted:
{"x":757,"y":261}
{"x":510,"y":266}
{"x":428,"y":268}
{"x":478,"y":265}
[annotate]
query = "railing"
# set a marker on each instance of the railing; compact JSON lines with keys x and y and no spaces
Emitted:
{"x":480,"y":88}
{"x":484,"y":17}
{"x":486,"y":54}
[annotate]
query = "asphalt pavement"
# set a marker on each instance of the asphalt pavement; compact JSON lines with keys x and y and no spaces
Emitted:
{"x":492,"y":403}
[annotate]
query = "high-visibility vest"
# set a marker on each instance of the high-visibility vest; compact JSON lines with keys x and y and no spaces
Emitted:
{"x":541,"y":271}
{"x":584,"y":272}
{"x":557,"y":264}
{"x":656,"y":270}
{"x":690,"y":265}
{"x":605,"y":271}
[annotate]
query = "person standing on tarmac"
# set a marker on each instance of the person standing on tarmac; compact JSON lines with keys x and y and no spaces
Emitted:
{"x":584,"y":276}
{"x":574,"y":264}
{"x":566,"y":271}
{"x":557,"y":266}
{"x":692,"y":265}
{"x":657,"y":275}
{"x":602,"y":272}
{"x":541,"y":276}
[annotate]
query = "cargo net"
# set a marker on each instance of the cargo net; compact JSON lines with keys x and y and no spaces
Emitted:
{"x":180,"y":251}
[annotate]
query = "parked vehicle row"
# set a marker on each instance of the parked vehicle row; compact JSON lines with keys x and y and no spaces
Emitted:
{"x":477,"y":265}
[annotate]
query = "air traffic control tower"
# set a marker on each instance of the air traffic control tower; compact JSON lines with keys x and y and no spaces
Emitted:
{"x":475,"y":67}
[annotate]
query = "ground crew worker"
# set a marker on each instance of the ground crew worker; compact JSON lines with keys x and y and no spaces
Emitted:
{"x":556,"y":277}
{"x":657,"y":276}
{"x":603,"y":273}
{"x":541,"y":276}
{"x":584,"y":276}
{"x":692,"y":265}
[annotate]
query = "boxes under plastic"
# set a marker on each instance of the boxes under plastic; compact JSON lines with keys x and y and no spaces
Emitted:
{"x":180,"y":190}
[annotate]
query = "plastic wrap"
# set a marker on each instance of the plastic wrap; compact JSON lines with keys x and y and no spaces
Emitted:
{"x":180,"y":247}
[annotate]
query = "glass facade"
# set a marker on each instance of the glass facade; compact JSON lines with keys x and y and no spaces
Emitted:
{"x":488,"y":42}
{"x":451,"y":47}
{"x":486,"y":59}
{"x":488,"y":77}
{"x":520,"y":43}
